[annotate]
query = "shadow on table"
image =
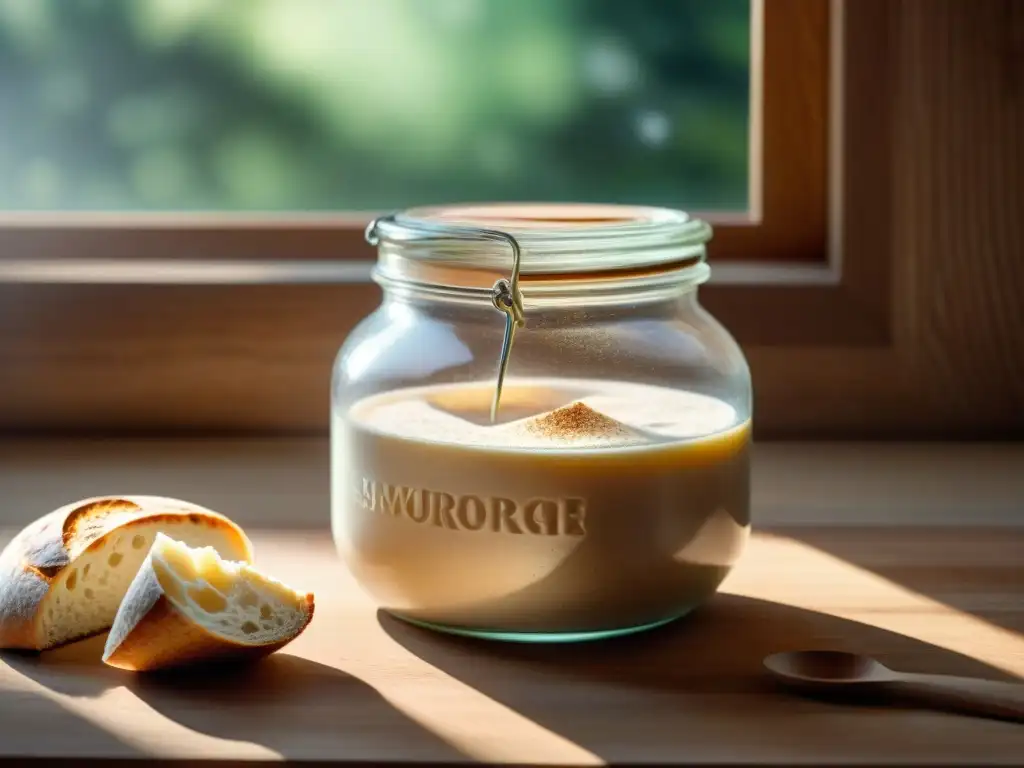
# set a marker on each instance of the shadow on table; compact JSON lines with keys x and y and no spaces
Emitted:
{"x":960,"y":570}
{"x":37,"y":727}
{"x":697,"y":684}
{"x":298,"y":708}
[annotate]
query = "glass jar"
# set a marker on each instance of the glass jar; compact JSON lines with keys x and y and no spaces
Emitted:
{"x":609,"y":492}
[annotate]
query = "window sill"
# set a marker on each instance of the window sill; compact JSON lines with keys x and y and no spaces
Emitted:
{"x":211,"y":272}
{"x":270,"y":483}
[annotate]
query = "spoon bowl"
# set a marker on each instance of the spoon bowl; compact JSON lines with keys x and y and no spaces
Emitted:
{"x":826,"y":668}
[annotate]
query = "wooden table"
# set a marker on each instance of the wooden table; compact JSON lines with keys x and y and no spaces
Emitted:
{"x":359,"y":687}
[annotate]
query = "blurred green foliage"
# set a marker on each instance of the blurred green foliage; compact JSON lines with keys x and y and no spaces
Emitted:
{"x":371,"y":104}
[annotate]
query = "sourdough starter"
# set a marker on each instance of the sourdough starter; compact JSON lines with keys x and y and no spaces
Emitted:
{"x":591,"y":506}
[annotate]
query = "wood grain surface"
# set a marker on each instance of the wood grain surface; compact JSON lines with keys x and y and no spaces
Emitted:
{"x":360,"y":687}
{"x":948,"y":154}
{"x":959,"y":150}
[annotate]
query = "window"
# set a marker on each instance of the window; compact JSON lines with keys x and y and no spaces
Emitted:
{"x":327,"y":105}
{"x":178,"y":249}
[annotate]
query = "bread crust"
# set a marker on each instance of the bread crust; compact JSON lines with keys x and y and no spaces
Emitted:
{"x":38,"y":556}
{"x":160,"y":636}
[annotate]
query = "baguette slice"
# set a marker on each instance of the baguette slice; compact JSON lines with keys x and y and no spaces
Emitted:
{"x":187,"y":606}
{"x":63,"y":577}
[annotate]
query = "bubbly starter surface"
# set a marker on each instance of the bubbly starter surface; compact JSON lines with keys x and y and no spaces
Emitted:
{"x":589,"y":506}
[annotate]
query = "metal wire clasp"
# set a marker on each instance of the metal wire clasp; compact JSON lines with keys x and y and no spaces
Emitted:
{"x":505,"y":294}
{"x":508,"y":299}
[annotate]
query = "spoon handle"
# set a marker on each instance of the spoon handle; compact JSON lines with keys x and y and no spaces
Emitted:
{"x":963,"y":694}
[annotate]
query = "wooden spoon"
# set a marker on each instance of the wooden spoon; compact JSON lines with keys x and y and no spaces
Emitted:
{"x":849,"y":674}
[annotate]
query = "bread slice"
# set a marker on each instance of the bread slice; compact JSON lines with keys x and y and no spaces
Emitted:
{"x":189,"y":605}
{"x":63,"y":577}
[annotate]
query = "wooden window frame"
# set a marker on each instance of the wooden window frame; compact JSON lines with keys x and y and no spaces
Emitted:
{"x":832,"y":322}
{"x":786,"y":219}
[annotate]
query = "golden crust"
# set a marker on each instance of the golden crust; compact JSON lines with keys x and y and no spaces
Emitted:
{"x":162,"y":636}
{"x":39,"y":554}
